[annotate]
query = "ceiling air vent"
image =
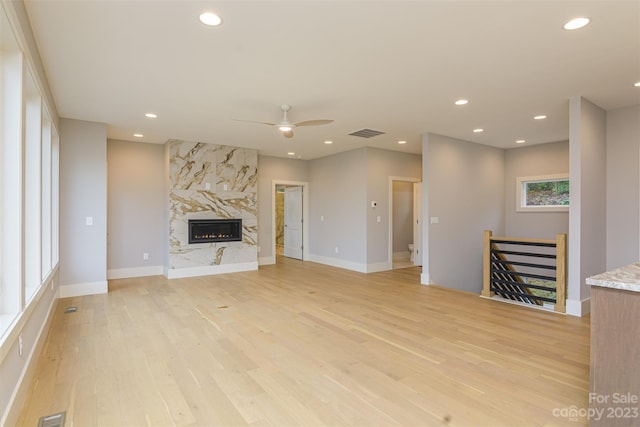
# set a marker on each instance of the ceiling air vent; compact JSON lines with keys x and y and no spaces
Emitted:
{"x":367,"y":133}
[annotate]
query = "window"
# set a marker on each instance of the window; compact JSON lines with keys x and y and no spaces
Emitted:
{"x":47,"y":265}
{"x":32,"y":188}
{"x":11,"y":105}
{"x":29,"y":185}
{"x":55,"y":191}
{"x":548,"y":193}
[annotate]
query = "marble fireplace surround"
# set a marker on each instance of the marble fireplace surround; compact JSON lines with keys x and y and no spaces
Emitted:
{"x":209,"y":181}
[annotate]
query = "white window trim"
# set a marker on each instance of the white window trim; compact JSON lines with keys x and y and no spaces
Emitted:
{"x":521,"y":196}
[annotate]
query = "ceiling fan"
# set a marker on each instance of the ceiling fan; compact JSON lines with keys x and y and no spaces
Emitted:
{"x":285,"y":126}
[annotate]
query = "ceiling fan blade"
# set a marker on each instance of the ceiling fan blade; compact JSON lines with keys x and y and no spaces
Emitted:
{"x":314,"y":122}
{"x":288,"y":134}
{"x":253,"y":121}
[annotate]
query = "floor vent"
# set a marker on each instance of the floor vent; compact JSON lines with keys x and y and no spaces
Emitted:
{"x":54,"y":420}
{"x":367,"y":133}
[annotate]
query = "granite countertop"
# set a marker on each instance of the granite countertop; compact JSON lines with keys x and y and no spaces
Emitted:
{"x":626,"y":278}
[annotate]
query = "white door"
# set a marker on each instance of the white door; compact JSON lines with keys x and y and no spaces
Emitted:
{"x":293,"y":222}
{"x":417,"y":223}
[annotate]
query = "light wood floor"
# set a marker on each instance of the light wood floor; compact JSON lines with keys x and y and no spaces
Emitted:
{"x":300,"y":344}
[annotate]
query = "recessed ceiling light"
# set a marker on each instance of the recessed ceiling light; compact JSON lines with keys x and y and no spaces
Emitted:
{"x":138,"y":135}
{"x":402,"y":142}
{"x":576,"y":23}
{"x":520,"y":141}
{"x":291,"y":153}
{"x":462,"y":101}
{"x":637,"y":84}
{"x":540,"y":117}
{"x":151,"y":115}
{"x":478,"y":130}
{"x":328,"y":142}
{"x":210,"y":18}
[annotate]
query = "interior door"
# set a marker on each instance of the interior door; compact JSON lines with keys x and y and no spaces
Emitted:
{"x":293,"y":222}
{"x":417,"y":223}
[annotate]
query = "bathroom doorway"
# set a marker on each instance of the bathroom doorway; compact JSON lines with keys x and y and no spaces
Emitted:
{"x":289,"y":229}
{"x":405,"y":228}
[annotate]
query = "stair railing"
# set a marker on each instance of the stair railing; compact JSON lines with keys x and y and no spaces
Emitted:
{"x":529,"y":271}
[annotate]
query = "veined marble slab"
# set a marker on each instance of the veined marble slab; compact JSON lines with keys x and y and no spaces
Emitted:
{"x":626,"y":278}
{"x":210,"y":181}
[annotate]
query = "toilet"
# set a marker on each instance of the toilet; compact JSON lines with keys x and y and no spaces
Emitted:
{"x":410,"y":245}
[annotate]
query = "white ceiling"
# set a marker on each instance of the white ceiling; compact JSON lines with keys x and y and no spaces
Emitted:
{"x":395,"y":66}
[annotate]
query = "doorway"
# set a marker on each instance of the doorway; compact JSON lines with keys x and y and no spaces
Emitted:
{"x":289,"y":226}
{"x":405,"y":222}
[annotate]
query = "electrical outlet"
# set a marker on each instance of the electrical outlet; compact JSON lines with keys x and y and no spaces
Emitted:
{"x":145,"y":256}
{"x":20,"y":345}
{"x":337,"y":249}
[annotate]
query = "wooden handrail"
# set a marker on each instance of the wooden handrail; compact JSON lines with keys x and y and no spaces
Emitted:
{"x":561,"y":273}
{"x":560,"y":259}
{"x":486,"y":265}
{"x":522,"y":239}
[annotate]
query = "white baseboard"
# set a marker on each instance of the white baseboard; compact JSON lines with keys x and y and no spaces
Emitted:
{"x":379,"y":266}
{"x":340,"y":263}
{"x":350,"y":265}
{"x":267,"y":260}
{"x":208,"y":270}
{"x":125,"y":273}
{"x":578,"y":308}
{"x":425,"y":279}
{"x":82,"y":289}
{"x":402,"y":255}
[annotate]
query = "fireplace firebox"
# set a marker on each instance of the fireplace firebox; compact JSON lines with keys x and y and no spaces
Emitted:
{"x":215,"y":230}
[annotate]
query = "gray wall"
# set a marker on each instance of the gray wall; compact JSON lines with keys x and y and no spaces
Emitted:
{"x":83,"y":193}
{"x":402,"y":215}
{"x":623,"y":134}
{"x":338,"y":193}
{"x":135,"y":205}
{"x":341,"y":189}
{"x":270,"y":169}
{"x":587,"y":214}
{"x":543,"y":159}
{"x":464,"y":185}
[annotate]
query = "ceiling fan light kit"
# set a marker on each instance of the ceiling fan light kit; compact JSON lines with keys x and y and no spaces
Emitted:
{"x":285,"y":126}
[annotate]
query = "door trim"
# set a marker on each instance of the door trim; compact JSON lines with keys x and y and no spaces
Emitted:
{"x":305,"y":215}
{"x":390,"y":225}
{"x":293,"y":197}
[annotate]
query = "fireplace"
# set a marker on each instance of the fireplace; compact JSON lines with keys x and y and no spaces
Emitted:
{"x":215,"y":230}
